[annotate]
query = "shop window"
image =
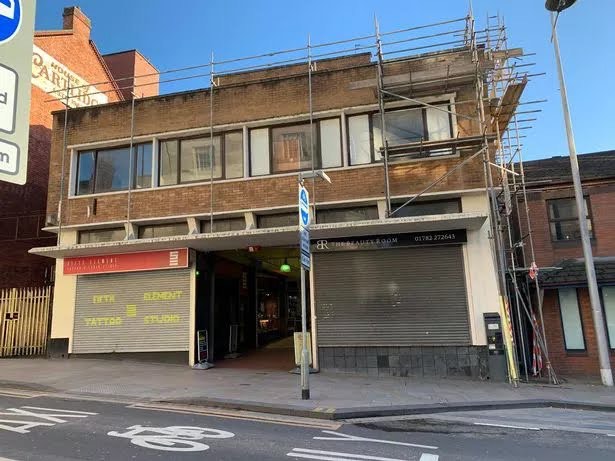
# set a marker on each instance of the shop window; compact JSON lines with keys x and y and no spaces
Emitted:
{"x":114,"y":234}
{"x":572,"y":325}
{"x":223,"y":225}
{"x":277,"y":220}
{"x":426,"y":208}
{"x":163,"y":230}
{"x":108,"y":170}
{"x":563,"y":219}
{"x":608,"y":301}
{"x":334,"y":215}
{"x":404,"y":126}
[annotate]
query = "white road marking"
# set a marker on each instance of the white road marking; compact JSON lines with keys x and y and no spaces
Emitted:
{"x":429,"y":457}
{"x":6,"y":459}
{"x":334,"y":455}
{"x":171,"y":438}
{"x":508,"y":426}
{"x":610,"y":435}
{"x":76,"y":412}
{"x":339,"y":437}
{"x":56,"y":416}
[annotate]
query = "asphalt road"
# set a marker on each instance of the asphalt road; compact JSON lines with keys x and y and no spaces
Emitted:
{"x":59,"y":429}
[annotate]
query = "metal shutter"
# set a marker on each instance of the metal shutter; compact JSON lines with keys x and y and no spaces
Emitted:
{"x":132,"y":312}
{"x":394,"y":297}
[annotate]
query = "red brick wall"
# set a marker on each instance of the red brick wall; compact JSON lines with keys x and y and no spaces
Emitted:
{"x":602,"y":206}
{"x":579,"y":364}
{"x":25,"y":204}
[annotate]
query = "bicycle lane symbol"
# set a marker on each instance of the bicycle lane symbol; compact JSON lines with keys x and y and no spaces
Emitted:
{"x":171,"y":438}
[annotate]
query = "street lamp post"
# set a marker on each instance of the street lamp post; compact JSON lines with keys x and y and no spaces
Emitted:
{"x":555,"y":6}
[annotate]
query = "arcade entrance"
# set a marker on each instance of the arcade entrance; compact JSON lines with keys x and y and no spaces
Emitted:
{"x":250,"y":305}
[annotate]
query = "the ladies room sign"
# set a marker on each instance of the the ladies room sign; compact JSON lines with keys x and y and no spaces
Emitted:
{"x":16,"y":41}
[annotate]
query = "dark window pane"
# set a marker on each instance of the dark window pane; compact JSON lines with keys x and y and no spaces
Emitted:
{"x":233,"y":155}
{"x":168,"y":163}
{"x":347,"y":214}
{"x":143,"y":166}
{"x":402,"y":127}
{"x":563,"y":209}
{"x":197,"y":158}
{"x":291,"y":148}
{"x":564,"y":221}
{"x":102,"y":235}
{"x":163,"y":230}
{"x":278,"y":220}
{"x":85,"y":173}
{"x":223,"y":225}
{"x":568,"y":230}
{"x":426,"y":208}
{"x":112,"y":167}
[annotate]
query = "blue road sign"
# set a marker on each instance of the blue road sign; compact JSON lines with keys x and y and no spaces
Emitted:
{"x":10,"y":19}
{"x":305,"y":261}
{"x":304,"y":207}
{"x":305,"y":240}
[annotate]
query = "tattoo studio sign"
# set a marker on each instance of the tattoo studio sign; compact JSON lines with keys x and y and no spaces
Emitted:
{"x":375,"y":242}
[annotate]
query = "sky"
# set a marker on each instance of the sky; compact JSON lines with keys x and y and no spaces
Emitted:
{"x":181,"y":33}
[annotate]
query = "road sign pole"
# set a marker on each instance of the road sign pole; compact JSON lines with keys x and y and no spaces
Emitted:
{"x":304,"y":253}
{"x":305,"y":371}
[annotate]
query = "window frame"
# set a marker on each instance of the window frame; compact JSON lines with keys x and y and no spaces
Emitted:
{"x":370,"y":114}
{"x":606,"y":324}
{"x":90,"y":231}
{"x":561,"y":320}
{"x":396,"y":202}
{"x":576,"y":218}
{"x":317,"y":142}
{"x":178,"y":142}
{"x":133,"y":160}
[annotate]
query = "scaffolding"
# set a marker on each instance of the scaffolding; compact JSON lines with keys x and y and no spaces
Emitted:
{"x":493,"y":113}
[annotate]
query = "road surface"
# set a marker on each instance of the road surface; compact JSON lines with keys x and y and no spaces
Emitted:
{"x":66,"y":429}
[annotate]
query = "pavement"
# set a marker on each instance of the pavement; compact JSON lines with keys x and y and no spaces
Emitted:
{"x":333,"y":395}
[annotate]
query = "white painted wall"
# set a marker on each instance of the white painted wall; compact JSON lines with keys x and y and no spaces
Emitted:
{"x":481,"y":277}
{"x":64,"y":297}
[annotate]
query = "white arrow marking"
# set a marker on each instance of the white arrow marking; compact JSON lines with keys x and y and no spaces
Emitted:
{"x":353,"y":438}
{"x":54,"y":418}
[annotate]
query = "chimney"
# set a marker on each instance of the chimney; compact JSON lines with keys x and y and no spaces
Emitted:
{"x":79,"y":23}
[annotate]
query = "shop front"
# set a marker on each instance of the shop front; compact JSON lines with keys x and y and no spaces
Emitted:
{"x":394,"y":304}
{"x":132,"y":303}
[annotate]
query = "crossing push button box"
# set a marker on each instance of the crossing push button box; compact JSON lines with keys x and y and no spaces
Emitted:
{"x":8,"y":98}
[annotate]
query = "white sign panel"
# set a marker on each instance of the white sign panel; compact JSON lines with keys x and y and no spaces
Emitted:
{"x":53,"y":77}
{"x":304,"y":207}
{"x":16,"y":38}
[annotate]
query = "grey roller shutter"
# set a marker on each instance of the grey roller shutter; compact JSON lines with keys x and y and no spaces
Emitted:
{"x":395,"y":297}
{"x":132,"y":312}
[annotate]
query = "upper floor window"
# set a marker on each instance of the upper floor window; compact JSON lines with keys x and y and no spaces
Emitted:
{"x":223,"y":225}
{"x":563,"y":219}
{"x":291,"y":147}
{"x":201,"y":159}
{"x":108,"y":170}
{"x":163,"y":230}
{"x":113,"y":234}
{"x":333,"y":215}
{"x":277,"y":220}
{"x":403,"y":126}
{"x":417,"y":208}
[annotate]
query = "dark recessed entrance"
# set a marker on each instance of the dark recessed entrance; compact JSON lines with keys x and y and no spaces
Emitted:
{"x":249,"y":302}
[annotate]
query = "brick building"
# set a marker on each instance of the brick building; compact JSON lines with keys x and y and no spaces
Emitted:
{"x":61,"y":58}
{"x":194,"y":228}
{"x":553,"y":216}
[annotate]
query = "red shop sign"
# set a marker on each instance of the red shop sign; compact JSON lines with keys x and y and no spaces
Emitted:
{"x":127,"y":262}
